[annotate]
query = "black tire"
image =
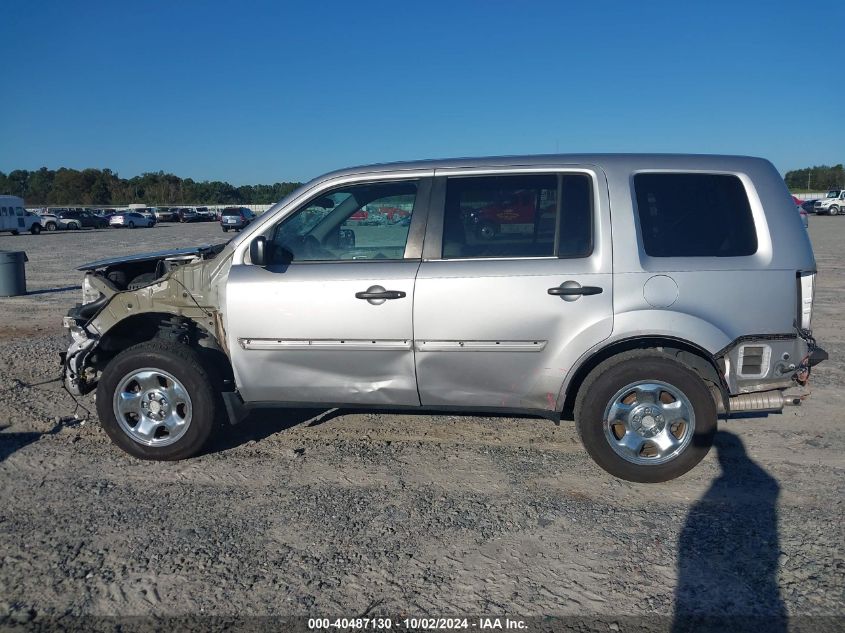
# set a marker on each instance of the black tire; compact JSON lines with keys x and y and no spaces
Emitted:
{"x":35,"y":229}
{"x":15,"y":232}
{"x":183,"y":363}
{"x":834,"y":210}
{"x":51,"y":226}
{"x":131,"y":225}
{"x":613,"y":375}
{"x":225,"y":230}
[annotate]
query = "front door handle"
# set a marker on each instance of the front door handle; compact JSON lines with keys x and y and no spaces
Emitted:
{"x":376,"y":295}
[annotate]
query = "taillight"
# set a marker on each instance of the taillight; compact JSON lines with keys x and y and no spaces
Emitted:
{"x":806,"y":290}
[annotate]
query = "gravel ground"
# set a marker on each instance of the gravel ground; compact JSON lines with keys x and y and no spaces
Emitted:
{"x":342,"y":513}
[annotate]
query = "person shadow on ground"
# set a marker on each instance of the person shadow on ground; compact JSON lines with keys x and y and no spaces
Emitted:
{"x":728,"y":551}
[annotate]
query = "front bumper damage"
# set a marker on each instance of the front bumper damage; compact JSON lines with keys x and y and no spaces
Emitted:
{"x":77,"y":376}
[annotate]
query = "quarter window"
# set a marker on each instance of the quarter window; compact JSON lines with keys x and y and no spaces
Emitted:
{"x":359,"y":222}
{"x":694,"y":215}
{"x":518,"y":216}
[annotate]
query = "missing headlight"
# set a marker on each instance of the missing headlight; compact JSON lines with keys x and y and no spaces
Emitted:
{"x":89,"y":293}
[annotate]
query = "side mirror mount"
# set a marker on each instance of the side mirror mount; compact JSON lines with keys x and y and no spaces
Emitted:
{"x":258,"y":251}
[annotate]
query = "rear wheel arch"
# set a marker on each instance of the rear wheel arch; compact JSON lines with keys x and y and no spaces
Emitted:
{"x":689,"y":354}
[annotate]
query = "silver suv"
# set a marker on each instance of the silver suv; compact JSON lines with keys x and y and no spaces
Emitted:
{"x":643,"y":295}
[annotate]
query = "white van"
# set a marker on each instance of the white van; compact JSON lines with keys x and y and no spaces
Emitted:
{"x":14,"y":218}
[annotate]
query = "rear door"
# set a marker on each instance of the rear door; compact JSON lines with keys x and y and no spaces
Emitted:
{"x":329,"y":319}
{"x":508,"y":299}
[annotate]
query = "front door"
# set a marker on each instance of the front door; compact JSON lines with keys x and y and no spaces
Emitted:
{"x":329,"y":320}
{"x":514,"y":287}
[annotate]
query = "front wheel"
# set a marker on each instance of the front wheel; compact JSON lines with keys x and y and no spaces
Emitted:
{"x":156,"y":401}
{"x":15,"y":232}
{"x":35,"y":229}
{"x":834,"y":210}
{"x":645,"y":417}
{"x":51,"y":226}
{"x":131,"y":225}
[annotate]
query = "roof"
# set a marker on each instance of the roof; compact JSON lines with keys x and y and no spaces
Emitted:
{"x":705,"y":161}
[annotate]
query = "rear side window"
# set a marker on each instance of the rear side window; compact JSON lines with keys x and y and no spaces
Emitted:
{"x":694,"y":215}
{"x":518,"y":216}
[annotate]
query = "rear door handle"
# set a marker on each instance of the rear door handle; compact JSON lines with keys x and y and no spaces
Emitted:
{"x":572,"y":291}
{"x":380,"y":294}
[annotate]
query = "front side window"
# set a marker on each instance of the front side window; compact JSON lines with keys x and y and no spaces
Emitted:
{"x":518,"y":216}
{"x":358,"y":222}
{"x":694,"y":215}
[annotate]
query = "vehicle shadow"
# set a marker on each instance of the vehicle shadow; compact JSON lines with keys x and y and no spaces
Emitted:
{"x":12,"y":442}
{"x":262,"y":423}
{"x":45,"y":291}
{"x":728,"y":551}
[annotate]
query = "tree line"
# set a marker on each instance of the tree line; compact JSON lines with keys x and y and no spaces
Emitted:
{"x":103,"y":187}
{"x":816,"y":178}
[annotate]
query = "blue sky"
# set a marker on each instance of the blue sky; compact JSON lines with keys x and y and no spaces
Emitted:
{"x":256,"y":92}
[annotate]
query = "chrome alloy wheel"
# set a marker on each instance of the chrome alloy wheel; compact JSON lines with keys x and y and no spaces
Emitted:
{"x":649,"y":422}
{"x":152,"y":407}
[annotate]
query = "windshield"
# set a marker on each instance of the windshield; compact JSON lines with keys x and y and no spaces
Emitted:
{"x":833,"y":193}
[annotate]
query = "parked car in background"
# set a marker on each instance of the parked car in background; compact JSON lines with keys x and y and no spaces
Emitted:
{"x":15,"y":219}
{"x":147,"y":212}
{"x":186,"y":214}
{"x":807,"y":206}
{"x":166,"y":214}
{"x":83,"y":219}
{"x":130,"y":220}
{"x":204,"y":214}
{"x":49,"y":221}
{"x":235,"y":218}
{"x":832,"y":204}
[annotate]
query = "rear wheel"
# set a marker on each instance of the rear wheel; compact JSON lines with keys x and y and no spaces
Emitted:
{"x":225,"y":230}
{"x":156,"y":401}
{"x":645,"y":417}
{"x":15,"y":232}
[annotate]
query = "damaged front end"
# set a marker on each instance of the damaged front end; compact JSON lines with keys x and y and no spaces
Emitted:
{"x":171,"y":294}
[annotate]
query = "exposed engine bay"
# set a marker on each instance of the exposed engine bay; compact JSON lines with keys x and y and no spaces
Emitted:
{"x":170,"y":294}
